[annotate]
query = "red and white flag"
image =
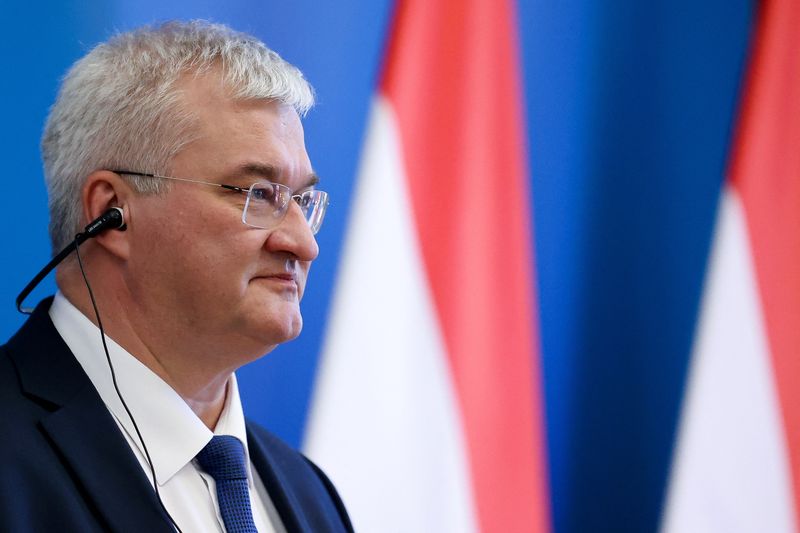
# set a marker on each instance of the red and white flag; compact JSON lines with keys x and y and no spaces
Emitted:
{"x":737,"y":462}
{"x":427,"y":411}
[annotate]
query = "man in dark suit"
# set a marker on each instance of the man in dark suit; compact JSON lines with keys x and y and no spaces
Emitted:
{"x":119,"y":407}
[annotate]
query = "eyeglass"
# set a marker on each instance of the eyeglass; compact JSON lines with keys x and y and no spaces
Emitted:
{"x":267,"y":203}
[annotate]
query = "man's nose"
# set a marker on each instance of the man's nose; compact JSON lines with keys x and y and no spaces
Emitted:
{"x":294,"y":235}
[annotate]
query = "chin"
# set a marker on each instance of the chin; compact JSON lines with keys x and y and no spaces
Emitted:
{"x":269,"y":321}
{"x":278,"y":330}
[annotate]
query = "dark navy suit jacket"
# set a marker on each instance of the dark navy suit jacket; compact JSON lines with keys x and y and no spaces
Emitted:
{"x":65,"y":465}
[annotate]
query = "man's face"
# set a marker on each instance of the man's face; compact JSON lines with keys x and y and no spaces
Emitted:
{"x":195,"y":269}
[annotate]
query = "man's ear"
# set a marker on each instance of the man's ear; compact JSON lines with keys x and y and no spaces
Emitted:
{"x":103,"y":190}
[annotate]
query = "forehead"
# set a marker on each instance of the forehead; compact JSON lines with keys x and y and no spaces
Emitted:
{"x":263,"y":136}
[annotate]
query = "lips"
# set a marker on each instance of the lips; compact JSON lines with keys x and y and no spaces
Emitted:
{"x":286,"y":276}
{"x":284,"y":280}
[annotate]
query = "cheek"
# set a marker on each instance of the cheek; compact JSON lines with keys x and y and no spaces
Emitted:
{"x":230,"y":260}
{"x":200,"y":261}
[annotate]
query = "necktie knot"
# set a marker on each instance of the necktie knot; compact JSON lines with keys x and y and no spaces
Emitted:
{"x":223,"y":458}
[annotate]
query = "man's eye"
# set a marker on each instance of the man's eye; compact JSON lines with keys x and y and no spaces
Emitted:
{"x":303,"y":199}
{"x":265,"y":193}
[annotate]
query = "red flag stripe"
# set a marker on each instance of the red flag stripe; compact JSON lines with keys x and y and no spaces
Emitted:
{"x":452,"y":75}
{"x":766,"y":172}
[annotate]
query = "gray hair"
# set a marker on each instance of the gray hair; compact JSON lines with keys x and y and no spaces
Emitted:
{"x":120,"y":106}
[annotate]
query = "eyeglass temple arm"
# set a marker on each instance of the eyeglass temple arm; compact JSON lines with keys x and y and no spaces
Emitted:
{"x":148,"y":175}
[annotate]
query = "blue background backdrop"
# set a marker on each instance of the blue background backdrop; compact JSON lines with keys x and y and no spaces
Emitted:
{"x":630,"y":109}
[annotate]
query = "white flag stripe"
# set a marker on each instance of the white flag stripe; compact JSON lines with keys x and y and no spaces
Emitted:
{"x":384,"y":422}
{"x":730,"y":473}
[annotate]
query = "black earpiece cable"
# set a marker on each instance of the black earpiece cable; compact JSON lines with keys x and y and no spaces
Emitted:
{"x":76,"y":245}
{"x":113,"y":218}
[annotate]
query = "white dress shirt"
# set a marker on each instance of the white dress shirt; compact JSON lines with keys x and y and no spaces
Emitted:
{"x":174,"y":435}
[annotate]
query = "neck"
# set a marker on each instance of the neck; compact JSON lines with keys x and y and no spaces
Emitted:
{"x":202,"y":386}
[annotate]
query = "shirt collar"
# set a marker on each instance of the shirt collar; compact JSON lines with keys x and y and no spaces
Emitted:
{"x":173,"y":433}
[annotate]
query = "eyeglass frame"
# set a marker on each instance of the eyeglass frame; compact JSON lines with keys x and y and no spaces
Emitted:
{"x":246,"y":191}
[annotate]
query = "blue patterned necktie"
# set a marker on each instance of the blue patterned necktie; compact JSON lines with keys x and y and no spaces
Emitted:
{"x":223,"y":459}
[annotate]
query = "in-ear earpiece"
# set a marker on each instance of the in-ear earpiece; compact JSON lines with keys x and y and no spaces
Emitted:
{"x":112,"y":218}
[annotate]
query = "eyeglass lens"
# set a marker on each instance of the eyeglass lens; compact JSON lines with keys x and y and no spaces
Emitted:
{"x":267,"y":204}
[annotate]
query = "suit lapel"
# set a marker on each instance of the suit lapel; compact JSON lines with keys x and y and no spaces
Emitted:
{"x":95,"y":450}
{"x":82,"y":430}
{"x":277,"y":486}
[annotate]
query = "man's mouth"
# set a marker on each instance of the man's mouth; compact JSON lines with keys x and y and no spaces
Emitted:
{"x":284,"y":280}
{"x":285,"y":276}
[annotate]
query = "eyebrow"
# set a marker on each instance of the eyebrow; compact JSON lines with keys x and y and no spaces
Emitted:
{"x":271,"y":173}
